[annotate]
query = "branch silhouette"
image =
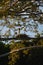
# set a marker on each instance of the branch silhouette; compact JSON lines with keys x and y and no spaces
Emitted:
{"x":4,"y":39}
{"x":13,"y":51}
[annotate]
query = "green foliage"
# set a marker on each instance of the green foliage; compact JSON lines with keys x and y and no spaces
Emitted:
{"x":22,"y":57}
{"x":14,"y":56}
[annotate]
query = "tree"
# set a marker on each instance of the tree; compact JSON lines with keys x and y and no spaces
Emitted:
{"x":18,"y":16}
{"x":31,"y":9}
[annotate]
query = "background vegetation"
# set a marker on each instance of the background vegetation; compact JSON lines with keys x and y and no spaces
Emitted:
{"x":15,"y":9}
{"x":32,"y":56}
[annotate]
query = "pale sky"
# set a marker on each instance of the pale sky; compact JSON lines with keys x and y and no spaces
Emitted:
{"x":30,"y":33}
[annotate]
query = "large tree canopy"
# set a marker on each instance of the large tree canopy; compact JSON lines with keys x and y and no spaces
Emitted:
{"x":21,"y":17}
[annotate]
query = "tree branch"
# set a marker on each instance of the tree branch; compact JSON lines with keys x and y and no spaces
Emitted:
{"x":4,"y":39}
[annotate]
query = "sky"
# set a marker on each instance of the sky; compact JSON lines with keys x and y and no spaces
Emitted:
{"x":29,"y":33}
